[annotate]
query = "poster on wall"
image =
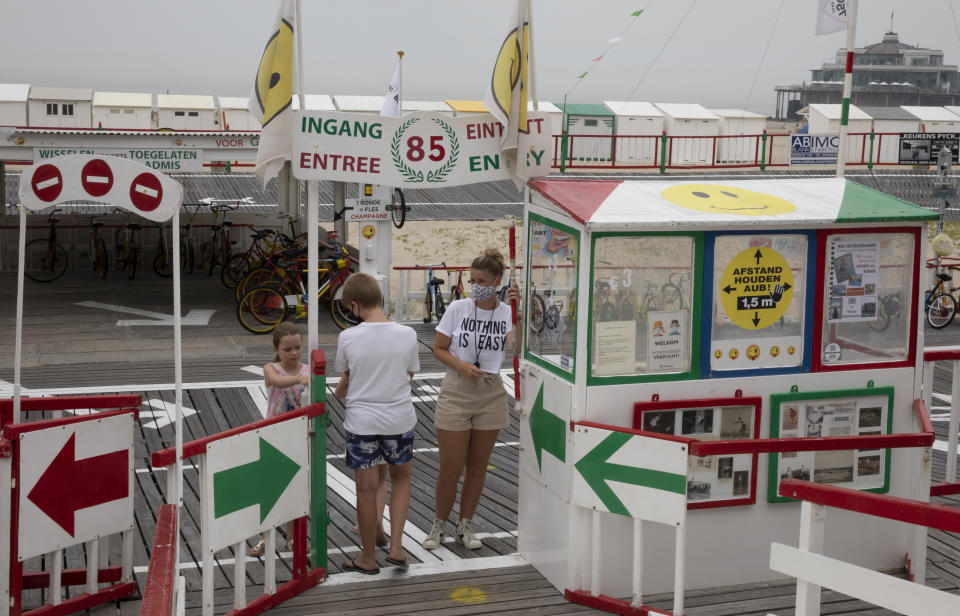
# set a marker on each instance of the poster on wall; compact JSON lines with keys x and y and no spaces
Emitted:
{"x":616,"y":347}
{"x":922,"y":148}
{"x":718,"y":480}
{"x":830,"y":414}
{"x":666,"y":340}
{"x":814,"y":149}
{"x":854,"y":274}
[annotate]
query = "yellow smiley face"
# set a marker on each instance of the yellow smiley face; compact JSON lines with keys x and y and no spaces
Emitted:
{"x":274,"y":85}
{"x":791,"y":350}
{"x":718,"y":354}
{"x":774,"y":351}
{"x":719,"y":199}
{"x":734,"y":353}
{"x":753,"y":352}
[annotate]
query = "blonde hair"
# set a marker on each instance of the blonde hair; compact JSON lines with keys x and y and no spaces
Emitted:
{"x":363,"y":289}
{"x":490,"y":261}
{"x":286,"y":328}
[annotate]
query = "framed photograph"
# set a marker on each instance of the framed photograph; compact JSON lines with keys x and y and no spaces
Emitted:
{"x":712,"y":481}
{"x":825,"y":414}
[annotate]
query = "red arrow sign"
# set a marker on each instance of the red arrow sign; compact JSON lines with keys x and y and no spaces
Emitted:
{"x":146,"y":193}
{"x":47,"y":183}
{"x":69,"y":485}
{"x":97,"y":177}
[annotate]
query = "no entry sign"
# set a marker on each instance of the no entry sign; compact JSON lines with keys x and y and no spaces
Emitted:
{"x":47,"y":183}
{"x":96,"y":177}
{"x":146,"y":192}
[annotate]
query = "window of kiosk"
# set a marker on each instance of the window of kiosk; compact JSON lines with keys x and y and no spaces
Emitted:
{"x":644,"y":318}
{"x":868,"y":290}
{"x":759,"y":301}
{"x":553,"y":255}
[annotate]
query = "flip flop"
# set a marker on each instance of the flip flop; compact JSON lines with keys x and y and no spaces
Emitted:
{"x":351,"y":565}
{"x":398,"y":562}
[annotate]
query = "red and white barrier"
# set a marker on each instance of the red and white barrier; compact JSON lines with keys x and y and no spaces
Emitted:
{"x":814,"y":571}
{"x":931,"y":355}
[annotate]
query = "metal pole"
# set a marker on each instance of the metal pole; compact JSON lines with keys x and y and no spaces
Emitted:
{"x":339,"y":211}
{"x":533,"y":78}
{"x":847,"y":86}
{"x":313,"y":280}
{"x":177,"y":363}
{"x":18,"y":344}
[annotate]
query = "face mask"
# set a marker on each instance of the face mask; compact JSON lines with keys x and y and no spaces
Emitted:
{"x":481,"y":293}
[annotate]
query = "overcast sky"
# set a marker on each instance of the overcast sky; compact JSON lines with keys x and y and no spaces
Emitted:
{"x":213,"y":46}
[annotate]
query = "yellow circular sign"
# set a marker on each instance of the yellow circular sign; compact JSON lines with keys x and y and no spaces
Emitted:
{"x":720,"y":199}
{"x":756,"y":288}
{"x":368,"y":231}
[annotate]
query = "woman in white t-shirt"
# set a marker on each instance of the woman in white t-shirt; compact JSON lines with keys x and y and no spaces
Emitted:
{"x":471,"y":340}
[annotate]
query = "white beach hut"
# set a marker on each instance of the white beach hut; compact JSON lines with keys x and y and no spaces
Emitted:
{"x":639,"y":127}
{"x":60,"y":107}
{"x":317,"y":102}
{"x":934,"y":119}
{"x":888,"y":123}
{"x":234,"y":114}
{"x":122,"y":110}
{"x":824,"y":119}
{"x":692,"y":130}
{"x":359,"y":104}
{"x":439,"y":107}
{"x":740,"y":135}
{"x":13,"y":104}
{"x":186,"y":112}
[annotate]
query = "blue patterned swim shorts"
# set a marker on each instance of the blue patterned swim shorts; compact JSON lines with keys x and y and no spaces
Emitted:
{"x":369,"y":450}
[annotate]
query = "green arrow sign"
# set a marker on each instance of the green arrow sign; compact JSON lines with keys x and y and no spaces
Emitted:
{"x":257,"y":483}
{"x":549,"y":432}
{"x":597,"y":472}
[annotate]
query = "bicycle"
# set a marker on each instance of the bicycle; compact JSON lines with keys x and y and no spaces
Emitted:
{"x":46,"y":260}
{"x":163,"y":262}
{"x":650,"y":302}
{"x":238,"y":265}
{"x":603,"y":307}
{"x":456,"y":290}
{"x":939,"y":305}
{"x":218,"y":248}
{"x":672,"y":294}
{"x":545,"y":309}
{"x":97,"y":250}
{"x":127,"y":252}
{"x":433,"y":299}
{"x":398,"y":208}
{"x":888,"y":308}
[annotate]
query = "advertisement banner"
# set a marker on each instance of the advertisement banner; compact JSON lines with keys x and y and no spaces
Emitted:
{"x":418,"y":150}
{"x":922,"y":148}
{"x":814,"y":149}
{"x":161,"y":159}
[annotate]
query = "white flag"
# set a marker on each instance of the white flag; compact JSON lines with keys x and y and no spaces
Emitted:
{"x":272,"y":96}
{"x":391,"y":103}
{"x":831,"y":16}
{"x":506,"y":96}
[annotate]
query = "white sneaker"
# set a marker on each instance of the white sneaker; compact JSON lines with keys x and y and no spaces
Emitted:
{"x":466,"y":536}
{"x":435,"y":537}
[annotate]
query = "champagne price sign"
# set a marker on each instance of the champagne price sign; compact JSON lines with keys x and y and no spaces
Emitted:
{"x":756,"y":288}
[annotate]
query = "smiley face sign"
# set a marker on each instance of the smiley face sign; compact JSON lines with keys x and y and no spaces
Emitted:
{"x":720,"y":199}
{"x":274,"y":84}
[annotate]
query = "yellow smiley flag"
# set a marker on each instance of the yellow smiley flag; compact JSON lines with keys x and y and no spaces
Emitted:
{"x":272,"y":96}
{"x":506,"y":96}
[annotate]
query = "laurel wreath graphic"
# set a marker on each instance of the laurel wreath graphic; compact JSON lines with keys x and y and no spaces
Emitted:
{"x":440,"y":175}
{"x":412,"y":175}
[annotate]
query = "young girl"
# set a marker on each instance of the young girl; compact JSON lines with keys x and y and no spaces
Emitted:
{"x":286,"y":379}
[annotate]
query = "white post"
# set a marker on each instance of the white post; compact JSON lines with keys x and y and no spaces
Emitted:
{"x":18,"y":343}
{"x":929,"y":367}
{"x":56,"y":576}
{"x":93,"y":550}
{"x":177,"y":361}
{"x":270,"y":563}
{"x":126,"y":558}
{"x":637,"y":562}
{"x":951,"y":472}
{"x":313,"y":323}
{"x":679,"y":568}
{"x":239,"y":575}
{"x":595,"y":553}
{"x":811,"y":540}
{"x":206,"y":554}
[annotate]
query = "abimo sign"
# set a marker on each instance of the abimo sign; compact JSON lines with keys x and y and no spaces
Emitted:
{"x":756,"y":288}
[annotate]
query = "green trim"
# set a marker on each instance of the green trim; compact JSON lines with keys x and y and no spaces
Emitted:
{"x":776,"y":400}
{"x":585,"y":109}
{"x":319,"y":517}
{"x":845,"y":112}
{"x":527,"y":353}
{"x":863,"y":204}
{"x":695,"y":316}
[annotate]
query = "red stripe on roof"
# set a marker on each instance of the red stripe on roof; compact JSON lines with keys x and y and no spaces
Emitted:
{"x":578,"y":198}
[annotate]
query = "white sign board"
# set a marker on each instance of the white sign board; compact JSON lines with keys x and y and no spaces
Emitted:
{"x":420,"y":150}
{"x":255,"y":481}
{"x":632,"y":475}
{"x":367,"y":209}
{"x":161,"y":159}
{"x":76,"y":484}
{"x":544,"y":428}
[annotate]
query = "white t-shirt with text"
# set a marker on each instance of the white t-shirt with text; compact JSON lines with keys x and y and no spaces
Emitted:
{"x":379,"y":357}
{"x":477,"y":334}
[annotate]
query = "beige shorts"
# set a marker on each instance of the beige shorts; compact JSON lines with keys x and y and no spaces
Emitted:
{"x":471,"y":404}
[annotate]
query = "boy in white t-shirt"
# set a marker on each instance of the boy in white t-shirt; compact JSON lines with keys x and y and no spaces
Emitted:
{"x":377,"y":359}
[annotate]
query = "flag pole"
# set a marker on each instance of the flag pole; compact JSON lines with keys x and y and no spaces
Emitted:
{"x":300,"y":60}
{"x":513,"y":307}
{"x":533,"y":78}
{"x":847,"y":86}
{"x":400,"y":81}
{"x":18,"y":342}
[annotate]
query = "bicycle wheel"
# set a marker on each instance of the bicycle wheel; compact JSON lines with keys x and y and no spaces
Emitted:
{"x":538,"y":313}
{"x":132,"y":258}
{"x":428,"y":305}
{"x":119,"y":251}
{"x":671,"y":297}
{"x":163,"y":265}
{"x":257,"y":277}
{"x":628,"y":305}
{"x":261,"y":310}
{"x":552,"y":318}
{"x":941,"y":311}
{"x":607,"y":311}
{"x":455,"y":294}
{"x":440,"y":308}
{"x":398,"y":210}
{"x":212,"y":263}
{"x":187,"y":261}
{"x":43,"y":262}
{"x":100,"y":258}
{"x":882,"y":321}
{"x":234,"y":270}
{"x":342,"y":315}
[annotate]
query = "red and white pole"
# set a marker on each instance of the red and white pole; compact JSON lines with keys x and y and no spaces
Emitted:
{"x":847,"y":85}
{"x":513,"y":307}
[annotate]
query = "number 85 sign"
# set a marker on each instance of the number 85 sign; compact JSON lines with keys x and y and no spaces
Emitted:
{"x":420,"y":149}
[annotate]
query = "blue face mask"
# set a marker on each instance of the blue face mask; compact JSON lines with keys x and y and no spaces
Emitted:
{"x":481,"y":292}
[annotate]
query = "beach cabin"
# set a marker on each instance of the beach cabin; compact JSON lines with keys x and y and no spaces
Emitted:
{"x":888,"y":123}
{"x":682,"y":342}
{"x":319,"y":102}
{"x":60,"y":107}
{"x":639,"y":128}
{"x":691,"y":132}
{"x":466,"y":108}
{"x":358,"y":104}
{"x":553,"y":112}
{"x":432,"y":106}
{"x":234,"y":114}
{"x":590,"y":132}
{"x":122,"y":110}
{"x":13,"y":104}
{"x":824,"y":119}
{"x":186,"y":112}
{"x":739,"y":133}
{"x":934,"y":119}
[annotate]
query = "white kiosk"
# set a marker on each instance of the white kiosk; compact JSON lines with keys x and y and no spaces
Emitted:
{"x":719,"y":337}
